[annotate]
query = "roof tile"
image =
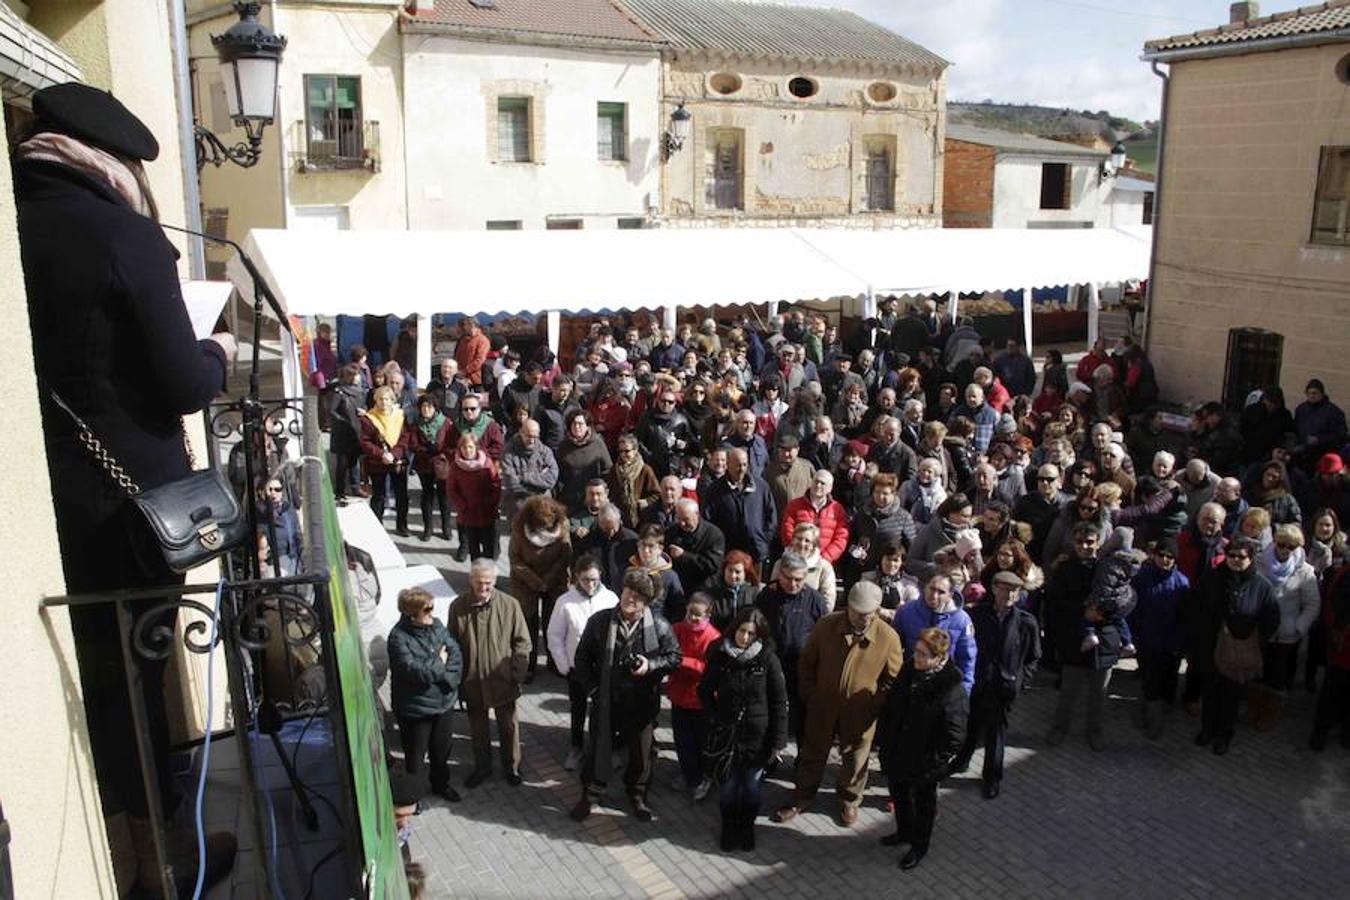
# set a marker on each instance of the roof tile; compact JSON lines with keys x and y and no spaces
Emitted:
{"x":1330,"y":16}
{"x":777,"y":30}
{"x":588,"y":19}
{"x":1019,"y":143}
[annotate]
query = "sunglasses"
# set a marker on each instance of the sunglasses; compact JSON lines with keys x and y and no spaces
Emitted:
{"x":1092,"y":508}
{"x":468,"y":409}
{"x":1046,"y":478}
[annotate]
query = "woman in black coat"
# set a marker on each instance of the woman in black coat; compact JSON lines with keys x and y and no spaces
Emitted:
{"x":922,"y":730}
{"x":112,"y":337}
{"x":425,"y":670}
{"x":745,"y":697}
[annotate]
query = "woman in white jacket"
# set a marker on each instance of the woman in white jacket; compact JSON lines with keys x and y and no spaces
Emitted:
{"x":1285,"y":566}
{"x":586,"y":597}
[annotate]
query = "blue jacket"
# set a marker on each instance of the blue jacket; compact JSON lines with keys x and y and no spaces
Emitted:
{"x":747,"y":517}
{"x":791,"y":619}
{"x":916,"y":616}
{"x":756,"y":452}
{"x":1156,"y":619}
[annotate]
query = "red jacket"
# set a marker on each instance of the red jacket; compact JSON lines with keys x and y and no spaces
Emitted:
{"x":424,"y":450}
{"x":832,"y":520}
{"x":1088,"y":364}
{"x":611,"y":419}
{"x":683,"y":684}
{"x":471,"y":353}
{"x":373,"y":446}
{"x":475,"y":495}
{"x":998,"y":396}
{"x":1190,"y":555}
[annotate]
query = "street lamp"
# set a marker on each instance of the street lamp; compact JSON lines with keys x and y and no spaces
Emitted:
{"x":1112,"y":166}
{"x":680,"y":123}
{"x":250,"y":55}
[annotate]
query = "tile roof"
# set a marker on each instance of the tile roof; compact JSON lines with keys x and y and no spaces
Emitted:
{"x":1026,"y":144}
{"x":593,"y":20}
{"x":1324,"y":17}
{"x":777,"y":30}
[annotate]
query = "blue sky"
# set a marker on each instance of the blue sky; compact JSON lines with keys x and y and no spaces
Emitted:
{"x":1083,"y":54}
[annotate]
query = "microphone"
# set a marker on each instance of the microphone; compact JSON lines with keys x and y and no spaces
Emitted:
{"x":259,"y":283}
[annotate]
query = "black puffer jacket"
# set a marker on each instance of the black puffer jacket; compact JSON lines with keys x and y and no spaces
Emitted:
{"x":420,"y":683}
{"x":924,"y":724}
{"x":752,"y":690}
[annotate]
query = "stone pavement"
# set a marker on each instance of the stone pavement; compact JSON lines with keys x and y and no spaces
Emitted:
{"x":1139,"y":819}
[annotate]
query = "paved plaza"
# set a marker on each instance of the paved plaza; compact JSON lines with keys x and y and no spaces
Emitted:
{"x":1139,"y":819}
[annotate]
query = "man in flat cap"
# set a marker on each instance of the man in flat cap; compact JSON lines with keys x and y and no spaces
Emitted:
{"x":848,"y":664}
{"x":1008,"y":646}
{"x":112,"y":338}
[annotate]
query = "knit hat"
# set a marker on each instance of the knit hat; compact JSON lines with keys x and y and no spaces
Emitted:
{"x":1330,"y":464}
{"x":967,"y":540}
{"x":865,"y":597}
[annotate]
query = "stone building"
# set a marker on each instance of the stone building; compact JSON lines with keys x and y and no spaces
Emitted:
{"x":800,"y":116}
{"x":999,"y":179}
{"x":1251,"y":280}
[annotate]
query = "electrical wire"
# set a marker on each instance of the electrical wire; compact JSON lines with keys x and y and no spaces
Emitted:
{"x":260,"y":773}
{"x":206,"y":745}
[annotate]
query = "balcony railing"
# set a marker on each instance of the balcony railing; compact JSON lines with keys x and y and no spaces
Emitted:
{"x":352,"y":146}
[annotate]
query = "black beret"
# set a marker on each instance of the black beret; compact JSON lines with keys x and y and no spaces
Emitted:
{"x":96,"y":117}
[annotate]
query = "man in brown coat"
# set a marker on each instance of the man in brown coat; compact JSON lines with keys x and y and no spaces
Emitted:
{"x":491,"y":632}
{"x":844,"y":672}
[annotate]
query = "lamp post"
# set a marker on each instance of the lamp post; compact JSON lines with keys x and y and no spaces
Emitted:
{"x":681,"y":121}
{"x":250,"y":55}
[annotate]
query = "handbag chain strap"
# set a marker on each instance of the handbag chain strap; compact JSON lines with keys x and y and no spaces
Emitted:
{"x":104,"y":457}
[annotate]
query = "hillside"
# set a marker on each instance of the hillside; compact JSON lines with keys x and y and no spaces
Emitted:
{"x":1141,"y":140}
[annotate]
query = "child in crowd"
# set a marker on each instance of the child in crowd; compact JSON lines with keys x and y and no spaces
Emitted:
{"x":687,"y":717}
{"x":1111,"y":595}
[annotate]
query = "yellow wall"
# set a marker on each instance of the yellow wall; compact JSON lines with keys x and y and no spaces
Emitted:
{"x":47,"y":780}
{"x":1240,"y":170}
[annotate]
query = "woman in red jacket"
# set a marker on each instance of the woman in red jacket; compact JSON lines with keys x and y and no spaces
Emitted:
{"x":384,"y":448}
{"x":687,"y":719}
{"x":475,"y":491}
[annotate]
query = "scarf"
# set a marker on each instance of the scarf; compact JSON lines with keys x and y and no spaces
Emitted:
{"x":389,"y":425}
{"x":931,"y":495}
{"x":543,"y":539}
{"x":741,"y":654}
{"x":604,"y":701}
{"x":102,"y":166}
{"x":476,"y":429}
{"x":1278,"y":571}
{"x":471,"y":465}
{"x":430,"y":427}
{"x":582,"y":441}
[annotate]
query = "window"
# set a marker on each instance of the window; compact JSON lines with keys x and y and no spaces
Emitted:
{"x":1254,"y":359}
{"x":802,"y":87}
{"x":881,"y":92}
{"x":725,"y":83}
{"x":1331,"y":205}
{"x":563,"y":224}
{"x":503,"y":225}
{"x":1055,"y":185}
{"x":880,"y":174}
{"x":632,"y":224}
{"x":724,"y":185}
{"x":333,"y":119}
{"x":513,"y":129}
{"x":1148,"y":207}
{"x":612,"y":121}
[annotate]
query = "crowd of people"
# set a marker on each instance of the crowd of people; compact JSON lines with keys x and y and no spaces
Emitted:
{"x":867,"y":543}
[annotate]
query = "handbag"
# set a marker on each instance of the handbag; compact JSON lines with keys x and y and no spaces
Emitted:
{"x":440,"y":467}
{"x":719,"y":748}
{"x":1238,"y":659}
{"x":192,"y":520}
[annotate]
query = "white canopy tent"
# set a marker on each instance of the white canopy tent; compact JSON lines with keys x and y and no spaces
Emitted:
{"x":554,"y":272}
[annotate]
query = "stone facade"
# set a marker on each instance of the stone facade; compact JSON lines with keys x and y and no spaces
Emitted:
{"x":863,"y":150}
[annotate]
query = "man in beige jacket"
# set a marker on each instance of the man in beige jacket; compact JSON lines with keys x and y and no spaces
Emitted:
{"x":492,"y":633}
{"x":845,"y":670}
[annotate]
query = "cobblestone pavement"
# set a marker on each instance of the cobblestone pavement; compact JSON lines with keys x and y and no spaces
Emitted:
{"x":1139,"y":819}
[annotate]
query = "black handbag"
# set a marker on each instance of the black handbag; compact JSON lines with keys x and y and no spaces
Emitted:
{"x":192,"y":520}
{"x":719,"y":747}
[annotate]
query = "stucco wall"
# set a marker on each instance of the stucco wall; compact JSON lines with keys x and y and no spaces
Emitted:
{"x":804,"y":158}
{"x":451,"y":102}
{"x":1017,"y":194}
{"x":1242,"y":146}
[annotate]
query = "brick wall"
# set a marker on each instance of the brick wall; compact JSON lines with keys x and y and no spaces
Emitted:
{"x":968,"y":185}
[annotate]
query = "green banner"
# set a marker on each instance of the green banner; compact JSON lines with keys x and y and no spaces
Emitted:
{"x":382,"y":863}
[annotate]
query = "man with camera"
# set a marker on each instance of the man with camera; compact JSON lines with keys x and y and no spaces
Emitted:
{"x":622,"y":657}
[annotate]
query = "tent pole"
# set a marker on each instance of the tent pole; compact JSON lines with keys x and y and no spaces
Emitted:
{"x":554,"y":331}
{"x":954,"y":296}
{"x":1026,"y":318}
{"x":869,"y":304}
{"x":669,"y":315}
{"x":423,"y":373}
{"x":1094,"y":314}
